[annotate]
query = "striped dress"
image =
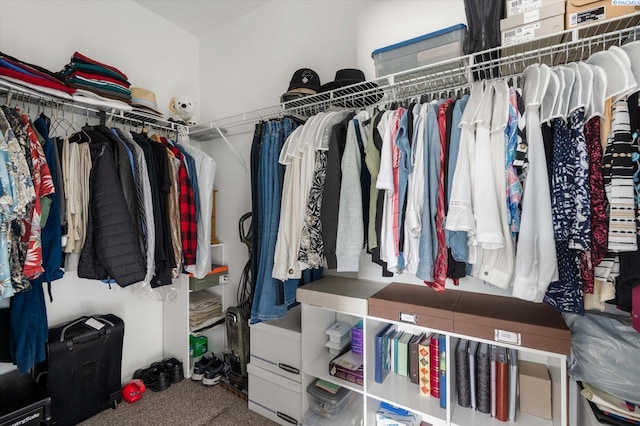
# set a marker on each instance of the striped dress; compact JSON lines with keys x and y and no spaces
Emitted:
{"x":618,"y":181}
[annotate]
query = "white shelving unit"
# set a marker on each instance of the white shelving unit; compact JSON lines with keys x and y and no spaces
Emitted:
{"x":176,"y":318}
{"x":335,"y":299}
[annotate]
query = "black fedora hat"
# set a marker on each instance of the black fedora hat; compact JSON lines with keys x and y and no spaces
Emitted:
{"x":347,"y":77}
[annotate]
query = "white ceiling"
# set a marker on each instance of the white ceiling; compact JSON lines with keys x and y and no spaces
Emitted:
{"x":201,"y":16}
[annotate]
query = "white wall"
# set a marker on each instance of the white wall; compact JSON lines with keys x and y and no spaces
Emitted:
{"x":247,"y":64}
{"x":155,"y":54}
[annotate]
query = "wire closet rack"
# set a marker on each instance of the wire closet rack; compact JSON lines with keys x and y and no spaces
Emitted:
{"x":442,"y":77}
{"x":80,"y":112}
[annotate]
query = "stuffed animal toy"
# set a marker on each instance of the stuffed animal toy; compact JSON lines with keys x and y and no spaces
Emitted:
{"x":183,"y":110}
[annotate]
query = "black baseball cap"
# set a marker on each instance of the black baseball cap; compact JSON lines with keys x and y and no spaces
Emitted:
{"x":305,"y":80}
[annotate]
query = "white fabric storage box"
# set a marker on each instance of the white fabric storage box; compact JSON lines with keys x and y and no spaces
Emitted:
{"x":428,"y":49}
{"x":274,"y":396}
{"x":275,"y":345}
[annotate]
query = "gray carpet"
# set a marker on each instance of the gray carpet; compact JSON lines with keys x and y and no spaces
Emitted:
{"x":184,"y":403}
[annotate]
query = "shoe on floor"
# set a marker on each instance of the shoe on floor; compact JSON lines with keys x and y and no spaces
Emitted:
{"x":214,"y":371}
{"x":156,"y":377}
{"x":174,"y":369}
{"x":201,"y":365}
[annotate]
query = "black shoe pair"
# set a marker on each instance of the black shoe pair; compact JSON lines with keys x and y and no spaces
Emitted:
{"x":160,"y":375}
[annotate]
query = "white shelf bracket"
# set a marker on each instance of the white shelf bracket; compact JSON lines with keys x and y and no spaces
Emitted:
{"x":238,"y":156}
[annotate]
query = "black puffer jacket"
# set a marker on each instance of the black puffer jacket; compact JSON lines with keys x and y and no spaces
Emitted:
{"x":111,"y":247}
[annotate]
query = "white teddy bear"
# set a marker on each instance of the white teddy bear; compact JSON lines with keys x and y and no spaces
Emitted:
{"x":183,"y":110}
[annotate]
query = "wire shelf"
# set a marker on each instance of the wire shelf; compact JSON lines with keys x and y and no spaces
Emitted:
{"x":28,"y":96}
{"x":442,"y":77}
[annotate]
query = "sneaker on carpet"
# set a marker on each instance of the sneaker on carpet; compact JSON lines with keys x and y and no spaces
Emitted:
{"x":201,"y":365}
{"x":214,"y":371}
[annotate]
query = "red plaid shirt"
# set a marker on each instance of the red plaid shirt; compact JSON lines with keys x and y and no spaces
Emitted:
{"x":188,"y":222}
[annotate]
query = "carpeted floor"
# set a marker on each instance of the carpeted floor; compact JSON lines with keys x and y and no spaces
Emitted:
{"x":184,"y":403}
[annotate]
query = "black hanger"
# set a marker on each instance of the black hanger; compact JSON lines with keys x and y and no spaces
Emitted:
{"x":467,"y":91}
{"x":424,"y":98}
{"x":458,"y":94}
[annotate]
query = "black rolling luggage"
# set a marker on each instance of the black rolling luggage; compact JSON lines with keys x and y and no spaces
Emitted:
{"x":83,"y":367}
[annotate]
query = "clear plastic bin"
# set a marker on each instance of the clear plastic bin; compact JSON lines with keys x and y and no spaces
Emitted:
{"x":424,"y":50}
{"x":328,"y":404}
{"x":351,"y":415}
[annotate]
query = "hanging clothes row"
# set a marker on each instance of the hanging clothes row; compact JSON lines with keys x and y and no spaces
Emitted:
{"x":118,"y":206}
{"x":506,"y":184}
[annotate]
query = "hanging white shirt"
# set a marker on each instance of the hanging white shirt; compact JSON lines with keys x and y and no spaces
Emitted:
{"x":536,"y":264}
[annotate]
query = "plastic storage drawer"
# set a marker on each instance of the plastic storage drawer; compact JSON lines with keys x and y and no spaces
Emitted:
{"x":428,"y":49}
{"x":326,"y":403}
{"x":275,"y":397}
{"x":275,"y":345}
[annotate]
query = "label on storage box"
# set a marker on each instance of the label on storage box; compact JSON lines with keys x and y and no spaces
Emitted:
{"x":531,"y":16}
{"x":520,"y":34}
{"x":504,"y":336}
{"x":519,"y":6}
{"x":590,"y":15}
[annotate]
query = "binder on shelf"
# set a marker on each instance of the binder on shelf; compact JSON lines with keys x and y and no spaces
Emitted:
{"x":396,"y":339}
{"x":443,"y":371}
{"x":502,"y":385}
{"x":494,"y":359}
{"x":463,"y":384}
{"x":483,"y":382}
{"x":380,"y":374}
{"x":424,"y":365}
{"x":434,"y":376}
{"x":414,"y":358}
{"x":403,"y":354}
{"x":386,"y":350}
{"x":473,"y":348}
{"x":513,"y":383}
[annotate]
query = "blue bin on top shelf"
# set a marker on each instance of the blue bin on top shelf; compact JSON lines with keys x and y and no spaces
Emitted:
{"x":428,"y":49}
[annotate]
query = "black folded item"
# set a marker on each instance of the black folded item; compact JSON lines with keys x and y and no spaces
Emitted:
{"x":5,"y":356}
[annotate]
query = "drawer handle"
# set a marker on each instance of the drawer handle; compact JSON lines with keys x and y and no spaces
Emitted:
{"x":287,"y":418}
{"x":510,"y":337}
{"x":410,"y":318}
{"x":289,"y":368}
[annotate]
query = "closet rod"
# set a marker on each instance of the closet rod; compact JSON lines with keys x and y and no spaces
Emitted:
{"x":34,"y":98}
{"x":504,"y":61}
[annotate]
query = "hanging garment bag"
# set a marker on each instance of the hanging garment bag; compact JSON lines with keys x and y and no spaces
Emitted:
{"x":83,"y":367}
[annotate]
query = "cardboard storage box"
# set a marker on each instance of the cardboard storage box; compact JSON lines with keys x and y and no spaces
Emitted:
{"x":513,"y":321}
{"x":415,"y":304}
{"x":535,"y":389}
{"x":216,"y":276}
{"x":581,"y":12}
{"x":515,"y":7}
{"x":532,"y":24}
{"x":275,"y":345}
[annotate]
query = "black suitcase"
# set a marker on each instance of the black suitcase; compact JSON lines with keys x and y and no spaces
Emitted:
{"x":22,"y":401}
{"x":83,"y":367}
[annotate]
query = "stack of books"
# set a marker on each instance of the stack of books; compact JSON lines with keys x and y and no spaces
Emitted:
{"x":419,"y":357}
{"x":486,"y":378}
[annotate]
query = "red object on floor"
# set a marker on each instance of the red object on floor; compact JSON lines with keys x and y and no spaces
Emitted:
{"x":132,"y":391}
